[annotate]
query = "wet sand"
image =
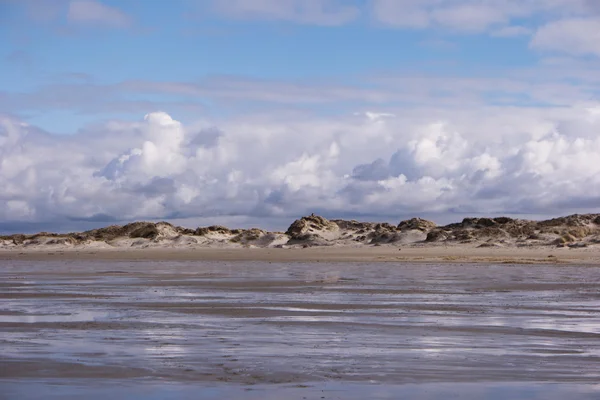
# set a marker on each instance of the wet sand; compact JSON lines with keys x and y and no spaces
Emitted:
{"x":259,"y":329}
{"x":464,"y":253}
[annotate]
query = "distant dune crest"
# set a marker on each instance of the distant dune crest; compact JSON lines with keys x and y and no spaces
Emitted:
{"x":313,"y":230}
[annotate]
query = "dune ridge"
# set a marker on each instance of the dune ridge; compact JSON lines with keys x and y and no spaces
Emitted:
{"x":579,"y":230}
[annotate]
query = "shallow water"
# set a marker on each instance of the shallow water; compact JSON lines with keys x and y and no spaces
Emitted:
{"x":349,"y":330}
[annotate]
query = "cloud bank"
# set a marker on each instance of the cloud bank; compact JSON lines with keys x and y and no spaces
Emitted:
{"x":531,"y":161}
{"x":457,"y":133}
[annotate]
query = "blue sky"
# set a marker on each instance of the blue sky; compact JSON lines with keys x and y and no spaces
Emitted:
{"x":55,"y":43}
{"x":248,"y":111}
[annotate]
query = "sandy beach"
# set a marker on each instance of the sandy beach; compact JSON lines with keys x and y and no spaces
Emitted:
{"x":573,"y":239}
{"x":327,"y":310}
{"x":300,"y":200}
{"x":425,"y":254}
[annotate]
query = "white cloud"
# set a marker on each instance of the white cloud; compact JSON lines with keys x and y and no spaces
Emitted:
{"x":553,"y":82}
{"x":577,"y":36}
{"x":318,"y":12}
{"x":470,"y":17}
{"x":487,"y":160}
{"x":401,"y":13}
{"x":466,"y":15}
{"x":95,"y":12}
{"x":476,"y":16}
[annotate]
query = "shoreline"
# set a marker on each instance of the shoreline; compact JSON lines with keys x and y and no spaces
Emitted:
{"x":374,"y":254}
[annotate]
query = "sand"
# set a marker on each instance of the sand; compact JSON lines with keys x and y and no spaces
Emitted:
{"x":570,"y":240}
{"x":385,"y":253}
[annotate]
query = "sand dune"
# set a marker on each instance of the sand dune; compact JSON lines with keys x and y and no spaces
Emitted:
{"x":573,"y":238}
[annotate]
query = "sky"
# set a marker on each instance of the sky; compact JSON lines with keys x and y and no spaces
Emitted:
{"x":256,"y":112}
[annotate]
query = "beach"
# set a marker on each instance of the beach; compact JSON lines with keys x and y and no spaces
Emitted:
{"x":295,"y":323}
{"x":384,"y":253}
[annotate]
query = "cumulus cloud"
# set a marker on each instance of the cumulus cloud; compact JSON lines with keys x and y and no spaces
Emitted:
{"x":577,"y":36}
{"x":377,"y":164}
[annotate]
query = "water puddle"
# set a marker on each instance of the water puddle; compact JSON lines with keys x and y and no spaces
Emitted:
{"x":82,"y":316}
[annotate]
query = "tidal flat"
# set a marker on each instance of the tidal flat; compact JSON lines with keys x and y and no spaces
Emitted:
{"x":209,"y":329}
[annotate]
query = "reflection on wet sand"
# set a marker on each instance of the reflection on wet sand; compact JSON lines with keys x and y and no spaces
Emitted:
{"x":221,"y":325}
{"x":148,"y":390}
